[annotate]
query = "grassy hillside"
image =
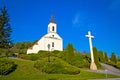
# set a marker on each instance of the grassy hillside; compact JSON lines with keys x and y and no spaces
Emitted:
{"x":26,"y":71}
{"x":78,"y":60}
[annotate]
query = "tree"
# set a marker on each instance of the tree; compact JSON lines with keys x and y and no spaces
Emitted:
{"x":106,"y":57}
{"x":5,"y":28}
{"x":96,"y":59}
{"x":101,"y":56}
{"x":23,"y":45}
{"x":70,"y":53}
{"x":118,"y":59}
{"x":113,"y":58}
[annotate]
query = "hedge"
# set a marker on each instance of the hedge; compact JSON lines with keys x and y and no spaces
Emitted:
{"x":6,"y":66}
{"x":56,"y":65}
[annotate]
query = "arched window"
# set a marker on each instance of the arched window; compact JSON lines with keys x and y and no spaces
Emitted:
{"x":53,"y":28}
{"x":52,"y":44}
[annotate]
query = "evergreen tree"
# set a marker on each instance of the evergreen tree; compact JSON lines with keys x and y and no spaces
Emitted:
{"x":118,"y":59}
{"x":101,"y":56}
{"x":69,"y":51}
{"x":5,"y":28}
{"x":96,"y":59}
{"x":113,"y":58}
{"x":106,"y":57}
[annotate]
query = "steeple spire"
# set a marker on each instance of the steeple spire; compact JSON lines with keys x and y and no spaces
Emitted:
{"x":52,"y":19}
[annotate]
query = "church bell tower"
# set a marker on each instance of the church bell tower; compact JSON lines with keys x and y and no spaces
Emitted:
{"x":52,"y":26}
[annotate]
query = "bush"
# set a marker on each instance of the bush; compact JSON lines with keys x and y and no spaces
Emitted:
{"x":55,"y":66}
{"x":32,"y":57}
{"x":6,"y":66}
{"x":112,"y":63}
{"x":55,"y":53}
{"x":118,"y":65}
{"x":79,"y":60}
{"x":40,"y":55}
{"x":43,"y":54}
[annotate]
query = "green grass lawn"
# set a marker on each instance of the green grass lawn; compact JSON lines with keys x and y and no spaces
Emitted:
{"x":26,"y":71}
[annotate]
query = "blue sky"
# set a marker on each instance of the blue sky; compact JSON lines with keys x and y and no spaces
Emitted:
{"x":74,"y":18}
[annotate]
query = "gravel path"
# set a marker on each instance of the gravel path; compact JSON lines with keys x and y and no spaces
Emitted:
{"x":108,"y":70}
{"x":111,"y":69}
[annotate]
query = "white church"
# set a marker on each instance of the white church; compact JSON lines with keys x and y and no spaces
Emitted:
{"x":52,"y":39}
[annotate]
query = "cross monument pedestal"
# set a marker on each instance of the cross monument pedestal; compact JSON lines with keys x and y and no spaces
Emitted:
{"x":92,"y":65}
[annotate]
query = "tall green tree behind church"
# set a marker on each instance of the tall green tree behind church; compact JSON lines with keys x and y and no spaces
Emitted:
{"x":96,"y":58}
{"x":70,"y":53}
{"x":113,"y":58}
{"x":5,"y":28}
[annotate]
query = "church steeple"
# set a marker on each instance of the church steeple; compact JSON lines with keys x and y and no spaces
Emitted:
{"x":52,"y":19}
{"x":52,"y":27}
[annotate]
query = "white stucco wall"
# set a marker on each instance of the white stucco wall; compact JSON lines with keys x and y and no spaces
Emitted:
{"x":45,"y":40}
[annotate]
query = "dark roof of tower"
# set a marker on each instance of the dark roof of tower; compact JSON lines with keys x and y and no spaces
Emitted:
{"x":52,"y":19}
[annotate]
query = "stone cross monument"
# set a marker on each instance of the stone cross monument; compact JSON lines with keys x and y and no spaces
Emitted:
{"x":93,"y":65}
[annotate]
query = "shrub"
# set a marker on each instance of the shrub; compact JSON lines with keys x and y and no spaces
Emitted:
{"x":112,"y":63}
{"x":79,"y":60}
{"x":55,"y":66}
{"x":6,"y":66}
{"x":32,"y":57}
{"x":118,"y":65}
{"x":40,"y":55}
{"x":55,"y":53}
{"x":43,"y":54}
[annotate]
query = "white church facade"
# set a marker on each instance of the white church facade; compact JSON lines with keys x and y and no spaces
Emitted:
{"x":52,"y":39}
